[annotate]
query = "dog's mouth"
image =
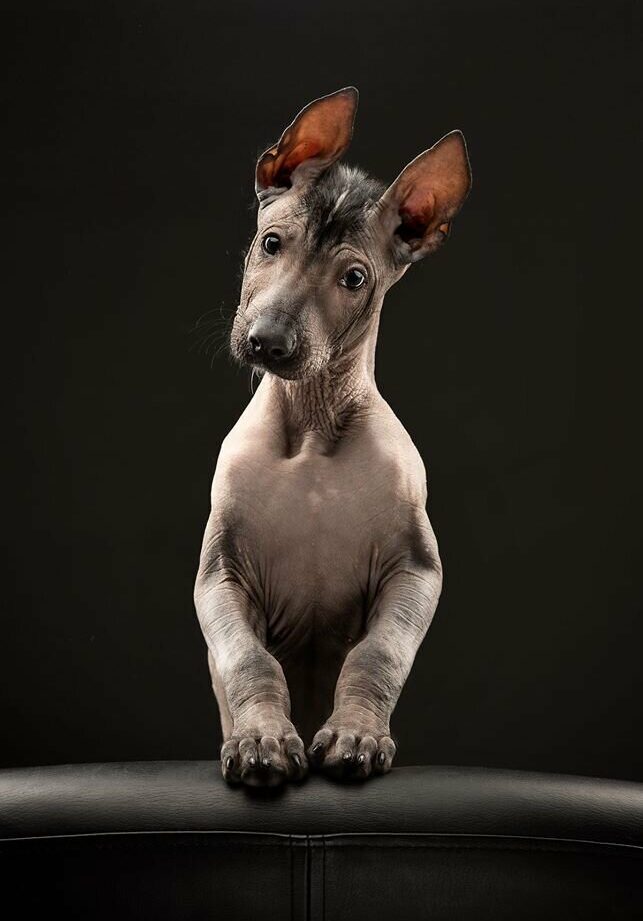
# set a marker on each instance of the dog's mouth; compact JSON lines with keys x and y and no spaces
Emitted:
{"x":305,"y":361}
{"x":289,"y":368}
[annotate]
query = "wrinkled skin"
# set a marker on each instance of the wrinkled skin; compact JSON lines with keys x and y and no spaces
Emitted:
{"x":320,"y":571}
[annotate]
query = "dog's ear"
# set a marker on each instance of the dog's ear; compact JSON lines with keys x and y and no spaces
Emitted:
{"x":317,"y":137}
{"x":418,"y":207}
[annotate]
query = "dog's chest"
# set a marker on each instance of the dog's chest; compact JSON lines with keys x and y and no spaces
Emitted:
{"x":312,"y":536}
{"x":310,"y":527}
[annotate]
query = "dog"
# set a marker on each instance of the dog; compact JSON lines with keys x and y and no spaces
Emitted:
{"x":320,"y":572}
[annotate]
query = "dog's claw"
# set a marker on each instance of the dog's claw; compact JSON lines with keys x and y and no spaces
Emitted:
{"x":381,"y":757}
{"x":258,"y":759}
{"x":361,"y":758}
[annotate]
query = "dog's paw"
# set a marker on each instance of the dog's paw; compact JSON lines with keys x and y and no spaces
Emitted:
{"x":264,"y":757}
{"x":349,"y":751}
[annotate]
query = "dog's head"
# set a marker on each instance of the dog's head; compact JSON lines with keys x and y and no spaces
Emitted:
{"x":331,"y":240}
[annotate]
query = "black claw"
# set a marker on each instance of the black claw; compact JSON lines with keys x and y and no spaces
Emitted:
{"x":317,"y":747}
{"x":381,"y":757}
{"x":361,"y":758}
{"x":266,"y":762}
{"x":296,"y":759}
{"x":229,"y":761}
{"x":252,"y":761}
{"x":347,"y":756}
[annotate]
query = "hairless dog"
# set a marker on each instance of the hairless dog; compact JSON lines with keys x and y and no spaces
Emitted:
{"x":320,"y":572}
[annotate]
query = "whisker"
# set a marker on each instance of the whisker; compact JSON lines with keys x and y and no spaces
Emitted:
{"x":211,"y":331}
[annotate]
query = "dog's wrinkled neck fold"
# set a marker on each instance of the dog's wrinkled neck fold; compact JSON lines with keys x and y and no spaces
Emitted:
{"x":320,"y":411}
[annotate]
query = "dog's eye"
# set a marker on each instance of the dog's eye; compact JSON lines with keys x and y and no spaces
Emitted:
{"x":353,"y":279}
{"x":271,"y":244}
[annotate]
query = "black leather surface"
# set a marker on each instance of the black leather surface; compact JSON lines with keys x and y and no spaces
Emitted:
{"x":170,"y":840}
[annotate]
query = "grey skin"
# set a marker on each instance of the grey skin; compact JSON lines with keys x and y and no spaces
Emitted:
{"x":320,"y":572}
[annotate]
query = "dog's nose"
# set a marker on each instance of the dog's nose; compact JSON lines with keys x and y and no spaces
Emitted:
{"x":269,"y":338}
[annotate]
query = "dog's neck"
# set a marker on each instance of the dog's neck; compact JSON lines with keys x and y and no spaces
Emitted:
{"x":324,"y":408}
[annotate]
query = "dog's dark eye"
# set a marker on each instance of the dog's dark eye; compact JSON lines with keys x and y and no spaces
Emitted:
{"x":353,"y":279}
{"x":271,"y":244}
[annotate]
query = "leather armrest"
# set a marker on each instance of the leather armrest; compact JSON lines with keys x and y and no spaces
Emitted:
{"x":171,"y":840}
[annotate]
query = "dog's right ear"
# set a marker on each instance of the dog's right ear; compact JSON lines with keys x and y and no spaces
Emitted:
{"x":317,"y":137}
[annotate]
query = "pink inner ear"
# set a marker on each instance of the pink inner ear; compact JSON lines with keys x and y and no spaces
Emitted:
{"x":277,"y":171}
{"x":305,"y":150}
{"x":416,"y":213}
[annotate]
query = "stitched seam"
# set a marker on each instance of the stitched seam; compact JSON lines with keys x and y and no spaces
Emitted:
{"x":137,"y":840}
{"x":439,"y":838}
{"x":292,"y":885}
{"x":159,"y":833}
{"x":323,"y":894}
{"x":489,"y":846}
{"x":308,"y":874}
{"x":140,"y":845}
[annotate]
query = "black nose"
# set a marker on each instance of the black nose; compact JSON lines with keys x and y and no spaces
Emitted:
{"x":273,"y":339}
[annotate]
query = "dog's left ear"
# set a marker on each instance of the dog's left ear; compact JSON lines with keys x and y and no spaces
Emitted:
{"x":418,"y":207}
{"x":317,"y":137}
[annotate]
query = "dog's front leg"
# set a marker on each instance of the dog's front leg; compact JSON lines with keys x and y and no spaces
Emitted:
{"x":261,"y":746}
{"x":355,"y":740}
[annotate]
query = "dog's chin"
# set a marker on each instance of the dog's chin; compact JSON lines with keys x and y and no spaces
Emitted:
{"x":287,"y":370}
{"x":297,"y":368}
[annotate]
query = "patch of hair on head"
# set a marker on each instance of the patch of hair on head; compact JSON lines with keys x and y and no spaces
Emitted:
{"x":338,"y":203}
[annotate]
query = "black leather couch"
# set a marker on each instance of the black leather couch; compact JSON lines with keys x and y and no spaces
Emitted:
{"x":169,"y":840}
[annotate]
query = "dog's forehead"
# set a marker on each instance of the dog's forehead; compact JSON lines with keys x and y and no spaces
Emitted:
{"x":331,"y":210}
{"x":338,"y":205}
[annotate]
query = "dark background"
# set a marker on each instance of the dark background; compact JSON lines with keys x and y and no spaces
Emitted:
{"x":511,"y":357}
